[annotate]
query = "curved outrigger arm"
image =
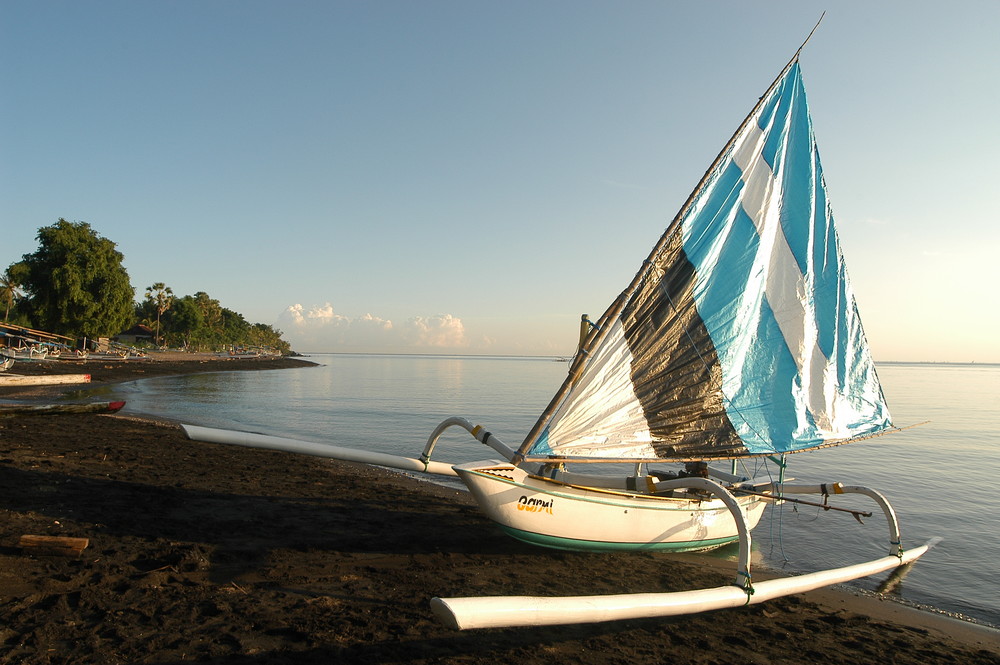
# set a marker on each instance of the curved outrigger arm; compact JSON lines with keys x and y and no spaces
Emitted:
{"x":826,"y":489}
{"x":477,"y":431}
{"x":743,"y":576}
{"x":743,"y":579}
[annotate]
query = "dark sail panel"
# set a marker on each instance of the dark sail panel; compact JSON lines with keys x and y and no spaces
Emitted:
{"x":675,"y":370}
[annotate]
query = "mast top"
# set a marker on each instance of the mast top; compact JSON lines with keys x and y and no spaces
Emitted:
{"x":810,"y":35}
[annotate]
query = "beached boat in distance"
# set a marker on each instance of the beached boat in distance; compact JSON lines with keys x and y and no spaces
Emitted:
{"x":737,"y":341}
{"x":29,"y":344}
{"x":28,"y":350}
{"x":8,"y":410}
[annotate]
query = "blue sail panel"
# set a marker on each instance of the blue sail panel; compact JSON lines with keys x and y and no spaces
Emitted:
{"x":773,"y":293}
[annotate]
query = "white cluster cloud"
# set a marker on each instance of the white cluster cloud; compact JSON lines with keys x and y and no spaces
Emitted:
{"x":322,"y":329}
{"x":444,"y":331}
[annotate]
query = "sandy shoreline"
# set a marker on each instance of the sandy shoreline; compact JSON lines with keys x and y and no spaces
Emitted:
{"x":210,"y":553}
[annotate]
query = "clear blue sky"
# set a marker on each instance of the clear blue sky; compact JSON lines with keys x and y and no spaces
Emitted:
{"x":472,"y":176}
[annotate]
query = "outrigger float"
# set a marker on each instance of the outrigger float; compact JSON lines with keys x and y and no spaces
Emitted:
{"x":737,"y":340}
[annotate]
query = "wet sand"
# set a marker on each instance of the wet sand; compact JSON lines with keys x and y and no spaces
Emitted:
{"x":211,"y":553}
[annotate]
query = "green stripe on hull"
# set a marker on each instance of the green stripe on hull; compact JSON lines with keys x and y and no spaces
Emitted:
{"x":555,"y":542}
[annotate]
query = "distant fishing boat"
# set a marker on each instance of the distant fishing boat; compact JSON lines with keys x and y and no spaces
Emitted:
{"x":7,"y":410}
{"x":738,"y":341}
{"x":29,"y":350}
{"x":239,"y":353}
{"x":28,"y":344}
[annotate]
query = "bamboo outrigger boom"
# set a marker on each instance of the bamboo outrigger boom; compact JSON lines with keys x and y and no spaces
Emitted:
{"x":252,"y":440}
{"x":509,"y":611}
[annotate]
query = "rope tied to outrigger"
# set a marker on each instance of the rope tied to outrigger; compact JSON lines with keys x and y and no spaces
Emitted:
{"x":746,"y":585}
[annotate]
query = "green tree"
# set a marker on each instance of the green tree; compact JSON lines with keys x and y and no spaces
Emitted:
{"x":210,"y":332}
{"x":182,"y":322}
{"x":75,"y":282}
{"x":201,"y":323}
{"x":145,"y":314}
{"x":10,"y":290}
{"x":211,"y":310}
{"x":264,"y":335}
{"x":234,"y":326}
{"x":162,"y":297}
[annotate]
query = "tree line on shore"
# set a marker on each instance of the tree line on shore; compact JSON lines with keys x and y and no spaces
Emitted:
{"x":75,"y":284}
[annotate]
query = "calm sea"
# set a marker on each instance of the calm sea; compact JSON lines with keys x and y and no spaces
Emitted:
{"x":939,"y":476}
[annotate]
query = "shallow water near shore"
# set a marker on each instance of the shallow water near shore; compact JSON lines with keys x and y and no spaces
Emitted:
{"x":391,"y":404}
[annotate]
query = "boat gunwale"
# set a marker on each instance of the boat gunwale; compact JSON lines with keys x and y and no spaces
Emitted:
{"x":750,"y":500}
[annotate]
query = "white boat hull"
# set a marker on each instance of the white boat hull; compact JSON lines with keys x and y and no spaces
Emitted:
{"x":562,"y":516}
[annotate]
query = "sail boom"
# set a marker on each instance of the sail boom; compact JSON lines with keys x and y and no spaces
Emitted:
{"x":580,"y":459}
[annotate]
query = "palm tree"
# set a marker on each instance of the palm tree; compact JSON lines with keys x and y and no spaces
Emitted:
{"x":10,"y":291}
{"x":162,"y":296}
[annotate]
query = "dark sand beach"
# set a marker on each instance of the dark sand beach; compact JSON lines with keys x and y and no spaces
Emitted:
{"x":210,"y":553}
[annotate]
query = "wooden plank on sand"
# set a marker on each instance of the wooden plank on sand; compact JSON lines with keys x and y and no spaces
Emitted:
{"x":58,"y":545}
{"x":56,"y":379}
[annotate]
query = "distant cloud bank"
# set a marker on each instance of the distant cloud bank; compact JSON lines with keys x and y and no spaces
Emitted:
{"x":321,"y":329}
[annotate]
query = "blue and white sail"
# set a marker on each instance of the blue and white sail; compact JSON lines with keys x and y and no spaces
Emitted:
{"x":740,"y":335}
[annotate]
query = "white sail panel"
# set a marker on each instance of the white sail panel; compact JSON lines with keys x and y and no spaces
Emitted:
{"x":792,"y":378}
{"x":603,"y":416}
{"x":785,"y":287}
